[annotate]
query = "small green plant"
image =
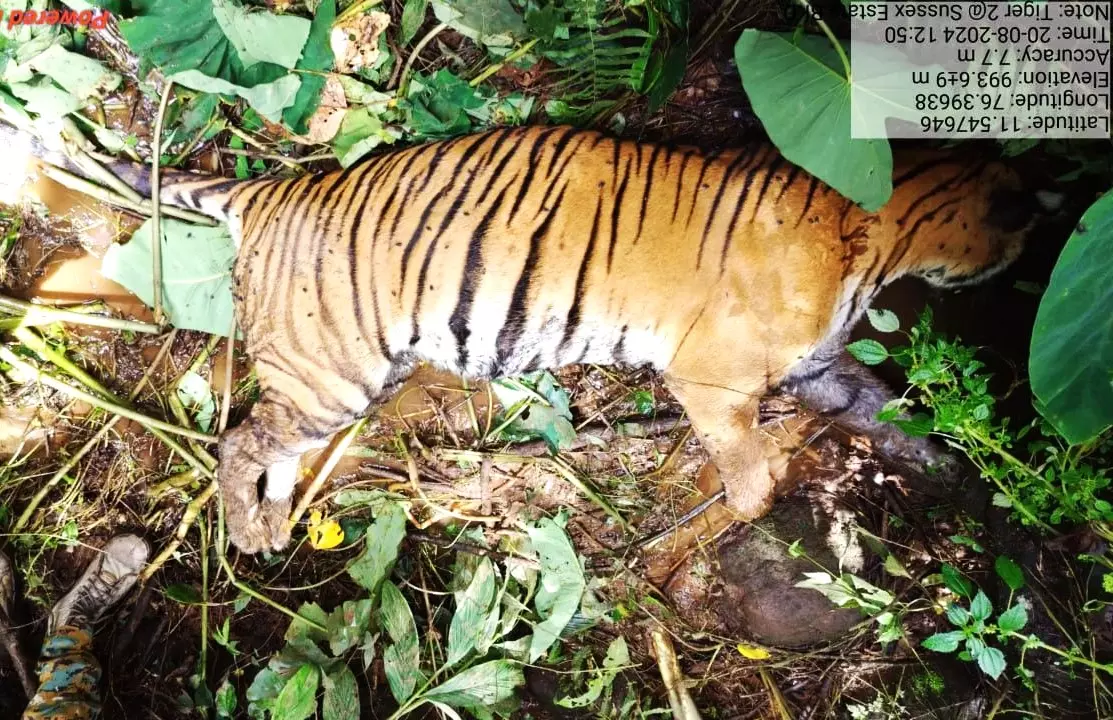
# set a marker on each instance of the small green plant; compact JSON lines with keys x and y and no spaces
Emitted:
{"x":477,"y":669}
{"x":1042,"y":478}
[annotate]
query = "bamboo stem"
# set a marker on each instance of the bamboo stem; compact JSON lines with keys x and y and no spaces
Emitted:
{"x":34,"y":313}
{"x":156,"y":216}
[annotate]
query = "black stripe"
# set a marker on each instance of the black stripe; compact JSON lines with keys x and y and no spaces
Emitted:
{"x":473,"y":268}
{"x":740,"y":160}
{"x":572,"y":320}
{"x":619,"y":352}
{"x":941,"y":187}
{"x":770,"y":173}
{"x":616,"y":211}
{"x":852,"y":400}
{"x":698,"y":189}
{"x":497,"y":172}
{"x":514,"y":323}
{"x":648,"y":189}
{"x":680,"y":183}
{"x":813,"y":374}
{"x":808,"y":201}
{"x":788,"y":183}
{"x":539,"y":145}
{"x":739,"y":206}
{"x":918,"y":169}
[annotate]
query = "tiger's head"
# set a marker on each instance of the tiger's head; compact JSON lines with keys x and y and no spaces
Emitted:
{"x":959,"y":223}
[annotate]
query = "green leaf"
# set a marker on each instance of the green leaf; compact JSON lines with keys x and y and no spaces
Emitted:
{"x":546,"y":415}
{"x":1009,"y":572}
{"x":310,"y":611}
{"x":400,"y":660}
{"x":316,"y":59}
{"x":944,"y":642}
{"x":919,"y":425}
{"x":196,"y":273}
{"x":184,"y":594}
{"x":413,"y":16}
{"x":1076,"y":312}
{"x":480,"y":685}
{"x":347,"y":624}
{"x":80,"y":75}
{"x":803,"y":99}
{"x":268,"y":99}
{"x":384,"y":537}
{"x":341,"y":696}
{"x":617,"y":657}
{"x":1014,"y":619}
{"x":473,"y":607}
{"x":260,"y":36}
{"x":360,"y":133}
{"x":954,"y":580}
{"x":562,"y":584}
{"x":298,"y":698}
{"x":885,"y":321}
{"x":44,"y":99}
{"x":195,"y":395}
{"x":643,"y":402}
{"x":226,"y":700}
{"x":894,"y":567}
{"x":869,"y":352}
{"x":958,"y":615}
{"x":487,"y":22}
{"x":980,"y":606}
{"x":968,"y":542}
{"x":992,"y":662}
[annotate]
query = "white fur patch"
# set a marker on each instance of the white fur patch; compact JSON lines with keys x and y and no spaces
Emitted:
{"x":282,"y":477}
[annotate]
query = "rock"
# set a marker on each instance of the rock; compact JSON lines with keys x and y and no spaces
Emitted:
{"x":760,"y":598}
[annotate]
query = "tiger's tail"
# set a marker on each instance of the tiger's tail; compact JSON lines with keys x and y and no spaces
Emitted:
{"x":208,"y":195}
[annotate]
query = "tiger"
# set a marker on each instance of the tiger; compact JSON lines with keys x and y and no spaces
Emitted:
{"x":731,"y":273}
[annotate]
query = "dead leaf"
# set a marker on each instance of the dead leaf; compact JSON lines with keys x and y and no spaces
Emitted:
{"x":355,"y":41}
{"x":325,"y":122}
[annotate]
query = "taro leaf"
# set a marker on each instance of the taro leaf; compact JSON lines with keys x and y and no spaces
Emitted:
{"x":347,"y":624}
{"x":473,"y":607}
{"x":268,"y":99}
{"x":298,"y":699}
{"x":196,"y":273}
{"x":44,"y":99}
{"x":400,"y":660}
{"x":487,"y":22}
{"x":944,"y":642}
{"x":562,"y":584}
{"x":1075,"y":388}
{"x":481,"y":685}
{"x":80,"y":75}
{"x":992,"y":662}
{"x":195,"y":394}
{"x":803,"y":99}
{"x":261,"y":36}
{"x":383,"y":539}
{"x":413,"y":16}
{"x":316,"y":59}
{"x":341,"y":696}
{"x":360,"y":133}
{"x":617,"y":656}
{"x":1009,"y":572}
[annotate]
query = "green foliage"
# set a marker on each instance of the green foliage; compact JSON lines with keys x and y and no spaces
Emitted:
{"x":477,"y":669}
{"x":850,"y":591}
{"x":800,"y":89}
{"x":221,"y":47}
{"x":975,"y":634}
{"x":196,"y":273}
{"x":1071,"y":361}
{"x":535,"y":407}
{"x":1043,"y":479}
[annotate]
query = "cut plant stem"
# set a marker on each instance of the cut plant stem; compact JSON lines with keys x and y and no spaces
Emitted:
{"x":34,"y":374}
{"x":156,"y":216}
{"x":36,"y":315}
{"x":192,"y":511}
{"x":143,"y":207}
{"x":512,"y":57}
{"x":323,"y":474}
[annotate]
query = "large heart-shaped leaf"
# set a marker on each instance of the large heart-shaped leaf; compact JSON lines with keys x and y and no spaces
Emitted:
{"x":1071,"y":357}
{"x":802,"y":97}
{"x":196,"y":273}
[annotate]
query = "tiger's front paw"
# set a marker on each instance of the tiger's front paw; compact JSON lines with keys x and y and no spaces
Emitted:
{"x":259,"y":526}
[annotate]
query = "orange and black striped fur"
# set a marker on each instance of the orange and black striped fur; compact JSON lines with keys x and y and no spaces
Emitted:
{"x":494,"y":254}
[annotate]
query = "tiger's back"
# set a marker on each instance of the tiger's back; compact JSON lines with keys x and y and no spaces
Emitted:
{"x":521,"y":249}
